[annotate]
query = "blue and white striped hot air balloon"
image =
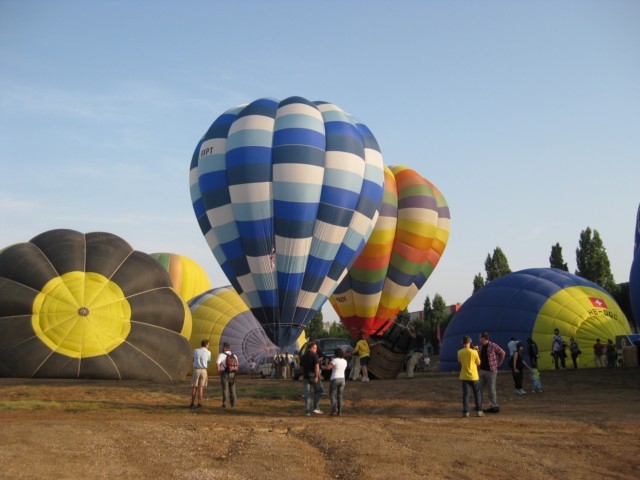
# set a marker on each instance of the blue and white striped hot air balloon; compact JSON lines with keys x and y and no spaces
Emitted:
{"x":634,"y":275}
{"x":286,"y":194}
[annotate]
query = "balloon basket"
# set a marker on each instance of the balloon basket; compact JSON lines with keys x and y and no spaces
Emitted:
{"x":385,"y":364}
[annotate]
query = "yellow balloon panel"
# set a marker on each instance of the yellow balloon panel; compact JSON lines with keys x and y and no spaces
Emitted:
{"x":580,"y":312}
{"x":81,"y":315}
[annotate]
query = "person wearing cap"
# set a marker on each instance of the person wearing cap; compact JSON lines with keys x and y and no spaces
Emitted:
{"x":199,"y":378}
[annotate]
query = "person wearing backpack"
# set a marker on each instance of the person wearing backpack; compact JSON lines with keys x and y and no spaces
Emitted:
{"x":227,"y":364}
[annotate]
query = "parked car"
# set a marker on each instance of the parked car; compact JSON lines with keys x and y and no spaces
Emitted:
{"x":328,"y":346}
{"x":264,"y":366}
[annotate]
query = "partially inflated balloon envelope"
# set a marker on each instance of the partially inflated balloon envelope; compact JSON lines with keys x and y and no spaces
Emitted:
{"x":406,"y":245}
{"x":219,"y":316}
{"x":634,"y":275}
{"x":76,"y":305}
{"x":286,"y":194}
{"x":531,"y":304}
{"x":188,"y":277}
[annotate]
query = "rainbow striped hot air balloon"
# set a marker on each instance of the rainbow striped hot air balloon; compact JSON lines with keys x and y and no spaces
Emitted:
{"x":405,"y":246}
{"x":286,"y":194}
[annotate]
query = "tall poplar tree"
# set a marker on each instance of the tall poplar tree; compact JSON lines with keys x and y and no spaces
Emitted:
{"x":556,"y":260}
{"x":592,"y":260}
{"x":478,"y":282}
{"x":496,"y":265}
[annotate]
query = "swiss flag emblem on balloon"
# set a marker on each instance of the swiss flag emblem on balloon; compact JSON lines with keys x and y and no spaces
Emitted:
{"x":597,"y":302}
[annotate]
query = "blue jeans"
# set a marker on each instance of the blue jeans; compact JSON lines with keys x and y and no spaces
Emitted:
{"x":469,"y":386}
{"x":318,"y":390}
{"x":336,"y":393}
{"x":489,"y":378}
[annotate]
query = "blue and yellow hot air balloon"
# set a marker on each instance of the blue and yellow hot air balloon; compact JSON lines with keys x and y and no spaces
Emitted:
{"x":76,"y":305}
{"x":407,"y":243}
{"x":220,"y":315}
{"x":531,"y":304}
{"x":286,"y":194}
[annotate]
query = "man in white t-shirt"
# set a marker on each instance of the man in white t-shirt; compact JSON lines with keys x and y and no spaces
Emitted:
{"x":227,"y":378}
{"x":199,"y":378}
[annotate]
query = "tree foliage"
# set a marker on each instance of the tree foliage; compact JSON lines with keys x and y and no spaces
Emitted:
{"x":592,"y":261}
{"x":496,"y":265}
{"x":338,"y":330}
{"x":478,"y":282}
{"x":315,"y":327}
{"x":556,"y":260}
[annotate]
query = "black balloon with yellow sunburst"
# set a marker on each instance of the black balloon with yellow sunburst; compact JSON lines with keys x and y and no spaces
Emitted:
{"x":76,"y":305}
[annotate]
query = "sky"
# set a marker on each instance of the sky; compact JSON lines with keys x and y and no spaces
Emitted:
{"x":526,"y":115}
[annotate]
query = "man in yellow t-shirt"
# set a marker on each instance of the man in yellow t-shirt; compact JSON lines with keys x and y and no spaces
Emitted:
{"x":469,"y":362}
{"x":363,"y":352}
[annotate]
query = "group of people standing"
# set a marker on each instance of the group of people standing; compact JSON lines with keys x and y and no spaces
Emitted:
{"x":608,"y":352}
{"x":311,"y":373}
{"x":226,"y":364}
{"x":479,"y":367}
{"x":310,"y":364}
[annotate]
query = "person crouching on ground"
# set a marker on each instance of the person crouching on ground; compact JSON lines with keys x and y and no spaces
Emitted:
{"x":469,"y":362}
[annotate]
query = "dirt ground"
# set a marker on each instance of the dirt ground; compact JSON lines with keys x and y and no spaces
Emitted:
{"x":586,"y":424}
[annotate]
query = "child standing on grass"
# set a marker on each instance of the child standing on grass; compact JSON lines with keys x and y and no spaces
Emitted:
{"x":536,"y":384}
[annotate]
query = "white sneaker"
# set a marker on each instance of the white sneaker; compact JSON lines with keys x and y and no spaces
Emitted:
{"x":363,"y":379}
{"x":317,"y":410}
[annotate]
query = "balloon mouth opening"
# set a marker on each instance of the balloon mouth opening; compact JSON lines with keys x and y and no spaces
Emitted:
{"x":83,"y":311}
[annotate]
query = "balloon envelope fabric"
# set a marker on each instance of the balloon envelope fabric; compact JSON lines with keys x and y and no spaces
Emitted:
{"x":219,"y":315}
{"x":286,"y":194}
{"x":404,"y":248}
{"x":89,"y":306}
{"x":531,"y":304}
{"x":634,"y":275}
{"x":188,"y":278}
